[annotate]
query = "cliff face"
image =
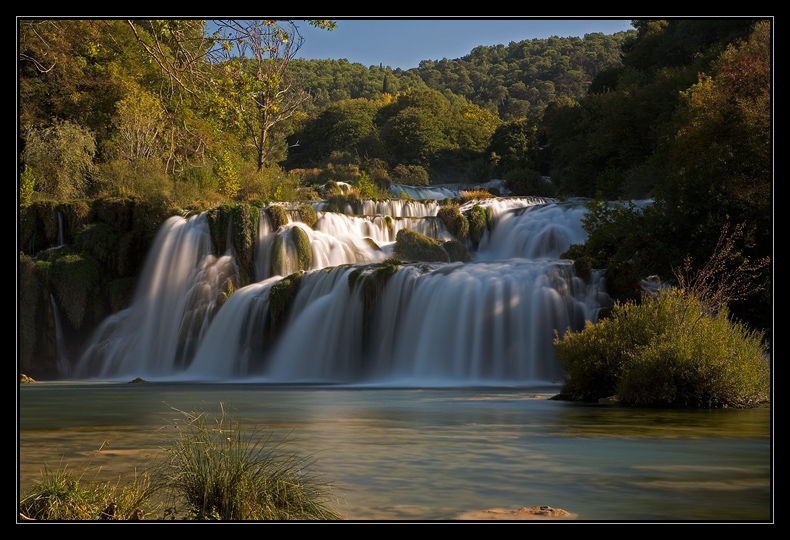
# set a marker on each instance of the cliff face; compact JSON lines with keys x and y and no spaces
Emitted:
{"x":78,"y":264}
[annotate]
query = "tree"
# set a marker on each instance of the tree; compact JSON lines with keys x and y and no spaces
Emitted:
{"x":61,"y":155}
{"x":414,"y":136}
{"x":251,"y":89}
{"x":240,"y":71}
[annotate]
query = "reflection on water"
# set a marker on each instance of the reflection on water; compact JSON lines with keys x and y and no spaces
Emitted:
{"x":435,"y":454}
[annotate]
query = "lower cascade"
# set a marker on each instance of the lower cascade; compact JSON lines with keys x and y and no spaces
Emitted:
{"x":336,"y":302}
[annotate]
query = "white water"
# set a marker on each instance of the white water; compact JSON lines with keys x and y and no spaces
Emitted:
{"x":491,"y":321}
{"x":174,"y":303}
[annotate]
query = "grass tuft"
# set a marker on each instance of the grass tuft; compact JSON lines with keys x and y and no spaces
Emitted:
{"x":217,"y":471}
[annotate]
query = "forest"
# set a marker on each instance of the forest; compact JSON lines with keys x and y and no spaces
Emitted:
{"x":168,"y":115}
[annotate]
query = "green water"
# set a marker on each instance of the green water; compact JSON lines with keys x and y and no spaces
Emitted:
{"x":435,"y":454}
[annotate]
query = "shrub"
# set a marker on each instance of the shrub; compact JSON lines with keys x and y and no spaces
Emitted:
{"x":26,"y":184}
{"x":365,"y":186}
{"x":474,"y":195}
{"x":668,"y":351}
{"x":228,"y":175}
{"x":220,"y":472}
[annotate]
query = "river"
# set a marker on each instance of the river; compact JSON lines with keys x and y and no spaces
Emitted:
{"x":397,"y":454}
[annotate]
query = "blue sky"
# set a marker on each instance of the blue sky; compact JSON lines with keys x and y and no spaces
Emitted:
{"x":401,"y":43}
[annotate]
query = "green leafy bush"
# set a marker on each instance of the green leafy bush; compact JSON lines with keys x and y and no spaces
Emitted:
{"x":667,"y":351}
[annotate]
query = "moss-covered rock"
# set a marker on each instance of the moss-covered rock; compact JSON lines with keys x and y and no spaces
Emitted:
{"x":75,"y":280}
{"x":455,"y":222}
{"x":369,"y":281}
{"x":304,"y":252}
{"x":456,"y":251}
{"x":307,"y":215}
{"x":281,"y":296}
{"x":277,"y":216}
{"x":236,"y":227}
{"x":478,"y":222}
{"x":413,"y":246}
{"x":100,"y":240}
{"x":337,"y":202}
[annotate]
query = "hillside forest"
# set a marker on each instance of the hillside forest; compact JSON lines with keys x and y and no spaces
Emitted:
{"x":186,"y":115}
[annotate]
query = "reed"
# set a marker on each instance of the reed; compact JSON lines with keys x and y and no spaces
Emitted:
{"x":216,"y":471}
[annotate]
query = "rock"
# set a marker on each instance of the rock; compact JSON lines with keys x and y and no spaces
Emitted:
{"x":532,"y":513}
{"x":24,"y":379}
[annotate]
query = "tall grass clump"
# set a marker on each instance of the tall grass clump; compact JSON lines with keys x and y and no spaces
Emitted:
{"x":64,"y":494}
{"x":215,"y":471}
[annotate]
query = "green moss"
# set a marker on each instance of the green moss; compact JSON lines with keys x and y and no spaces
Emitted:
{"x":76,"y":216}
{"x":370,"y":281}
{"x":304,"y":252}
{"x":413,"y":246}
{"x":75,"y":279}
{"x":281,"y":296}
{"x":337,"y":202}
{"x":455,"y":222}
{"x":372,"y":243}
{"x":456,"y":251}
{"x":478,"y":222}
{"x":277,"y":216}
{"x":307,"y":215}
{"x":100,"y":240}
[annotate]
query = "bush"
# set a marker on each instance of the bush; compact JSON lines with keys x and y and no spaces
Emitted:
{"x":668,"y":351}
{"x":26,"y":184}
{"x":220,"y":472}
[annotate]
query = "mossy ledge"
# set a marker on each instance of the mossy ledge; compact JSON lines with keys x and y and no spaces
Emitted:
{"x":86,"y":255}
{"x":281,"y":297}
{"x":369,"y":281}
{"x":413,"y":246}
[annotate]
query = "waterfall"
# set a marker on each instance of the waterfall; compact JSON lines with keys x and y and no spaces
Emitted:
{"x":179,"y":291}
{"x":64,"y":364}
{"x":351,"y":314}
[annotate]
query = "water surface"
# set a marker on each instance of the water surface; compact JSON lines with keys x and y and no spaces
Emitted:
{"x":434,"y":454}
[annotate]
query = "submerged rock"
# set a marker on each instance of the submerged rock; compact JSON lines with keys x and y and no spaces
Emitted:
{"x":534,"y":512}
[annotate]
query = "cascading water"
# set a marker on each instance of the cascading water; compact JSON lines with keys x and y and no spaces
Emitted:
{"x":353,"y":315}
{"x":178,"y":294}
